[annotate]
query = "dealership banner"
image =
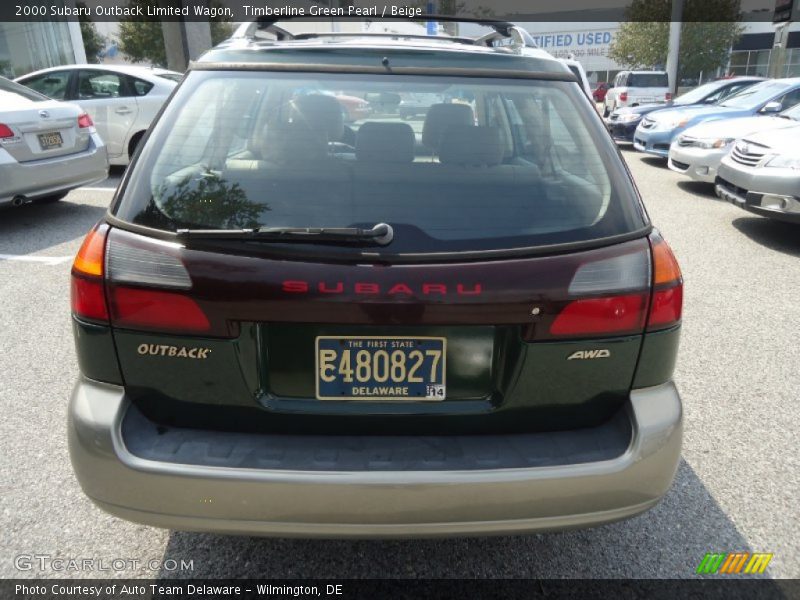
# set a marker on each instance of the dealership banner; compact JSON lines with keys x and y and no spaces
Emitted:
{"x":581,"y":11}
{"x":411,"y":589}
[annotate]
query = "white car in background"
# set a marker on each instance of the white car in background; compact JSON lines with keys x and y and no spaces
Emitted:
{"x":122,"y":100}
{"x":698,"y":151}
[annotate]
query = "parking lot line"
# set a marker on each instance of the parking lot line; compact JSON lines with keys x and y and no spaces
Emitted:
{"x":48,"y":260}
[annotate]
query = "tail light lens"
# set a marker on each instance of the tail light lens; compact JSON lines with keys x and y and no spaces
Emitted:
{"x":147,"y":287}
{"x":5,"y":131}
{"x":618,"y":288}
{"x":84,"y":121}
{"x":667,"y":96}
{"x":623,"y":97}
{"x":666,"y":306}
{"x":87,"y":290}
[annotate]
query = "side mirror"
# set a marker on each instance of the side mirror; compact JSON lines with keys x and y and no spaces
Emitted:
{"x":771,"y":107}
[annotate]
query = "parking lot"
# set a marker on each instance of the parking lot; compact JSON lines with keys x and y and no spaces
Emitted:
{"x":736,"y":488}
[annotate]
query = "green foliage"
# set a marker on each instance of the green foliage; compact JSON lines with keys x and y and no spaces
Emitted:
{"x":93,"y":42}
{"x":142,"y":39}
{"x":709,"y":29}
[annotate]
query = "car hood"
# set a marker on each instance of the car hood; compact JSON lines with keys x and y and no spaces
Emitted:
{"x":781,"y":140}
{"x":736,"y":128}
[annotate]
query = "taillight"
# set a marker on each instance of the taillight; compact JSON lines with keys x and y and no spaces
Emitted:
{"x":147,"y":287}
{"x":612,"y":297}
{"x":623,"y":97}
{"x":87,"y":291}
{"x":5,"y":131}
{"x":666,"y":306}
{"x":84,"y":121}
{"x":667,"y":96}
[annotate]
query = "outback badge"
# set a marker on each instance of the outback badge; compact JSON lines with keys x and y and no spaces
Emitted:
{"x":173,"y":351}
{"x":589,"y":354}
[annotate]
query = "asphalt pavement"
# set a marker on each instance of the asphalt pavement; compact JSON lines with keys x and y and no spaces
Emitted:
{"x":738,"y":372}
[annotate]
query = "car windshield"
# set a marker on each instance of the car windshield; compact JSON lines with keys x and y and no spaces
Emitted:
{"x":488,"y":164}
{"x":648,"y":80}
{"x":11,"y":92}
{"x":755,"y":96}
{"x":698,"y":94}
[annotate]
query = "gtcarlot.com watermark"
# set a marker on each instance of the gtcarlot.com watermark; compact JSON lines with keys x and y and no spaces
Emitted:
{"x":73,"y":564}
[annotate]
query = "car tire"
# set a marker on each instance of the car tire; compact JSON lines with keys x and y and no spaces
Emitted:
{"x":606,"y":112}
{"x":134,"y":143}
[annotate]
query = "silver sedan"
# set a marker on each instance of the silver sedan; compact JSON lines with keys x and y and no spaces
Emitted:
{"x":47,"y":147}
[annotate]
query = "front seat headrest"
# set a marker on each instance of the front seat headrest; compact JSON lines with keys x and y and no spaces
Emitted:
{"x":292,"y":143}
{"x":440,"y":118}
{"x":319,"y":112}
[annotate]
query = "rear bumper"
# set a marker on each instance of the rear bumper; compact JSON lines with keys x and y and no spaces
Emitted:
{"x":53,"y":175}
{"x":206,"y":495}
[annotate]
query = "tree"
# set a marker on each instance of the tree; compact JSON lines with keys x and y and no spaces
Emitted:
{"x":93,"y":42}
{"x":709,"y":29}
{"x":142,"y":39}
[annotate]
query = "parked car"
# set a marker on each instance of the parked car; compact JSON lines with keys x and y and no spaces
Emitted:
{"x":622,"y":123}
{"x":599,"y":91}
{"x":698,"y":151}
{"x":354,"y":108}
{"x":47,"y":148}
{"x":463,"y":329}
{"x":632,"y":88}
{"x":580,"y":73}
{"x":657,"y":130}
{"x":762,"y":174}
{"x":121,"y":99}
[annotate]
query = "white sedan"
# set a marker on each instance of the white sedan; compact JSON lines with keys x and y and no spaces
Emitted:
{"x":698,"y":151}
{"x":121,"y":99}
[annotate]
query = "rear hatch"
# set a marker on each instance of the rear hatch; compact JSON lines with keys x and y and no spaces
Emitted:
{"x":37,"y":128}
{"x":648,"y":87}
{"x":484,"y":270}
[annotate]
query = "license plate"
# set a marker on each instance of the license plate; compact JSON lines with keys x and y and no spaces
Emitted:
{"x":48,"y":141}
{"x":374,"y":368}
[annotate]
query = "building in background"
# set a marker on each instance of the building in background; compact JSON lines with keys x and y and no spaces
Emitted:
{"x":28,"y":46}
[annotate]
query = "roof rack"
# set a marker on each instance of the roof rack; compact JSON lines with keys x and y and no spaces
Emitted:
{"x":502,"y":30}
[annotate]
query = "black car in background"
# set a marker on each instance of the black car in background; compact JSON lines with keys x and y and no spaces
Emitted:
{"x":623,"y":122}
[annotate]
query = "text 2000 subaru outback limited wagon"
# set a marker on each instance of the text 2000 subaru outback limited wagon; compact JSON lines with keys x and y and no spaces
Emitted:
{"x":459,"y":324}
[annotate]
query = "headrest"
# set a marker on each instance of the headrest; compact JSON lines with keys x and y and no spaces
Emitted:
{"x":385,"y":142}
{"x":320,"y":112}
{"x":471,"y":146}
{"x":441,"y":117}
{"x":290,"y":142}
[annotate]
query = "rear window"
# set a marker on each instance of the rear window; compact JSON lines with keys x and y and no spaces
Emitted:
{"x":648,"y":80}
{"x":484,"y":165}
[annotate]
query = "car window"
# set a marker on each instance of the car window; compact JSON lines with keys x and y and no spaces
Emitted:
{"x":93,"y":85}
{"x":648,"y":80}
{"x":790,"y":99}
{"x":12,"y":93}
{"x":53,"y":85}
{"x":140,"y":86}
{"x":490,"y":164}
{"x":752,"y":97}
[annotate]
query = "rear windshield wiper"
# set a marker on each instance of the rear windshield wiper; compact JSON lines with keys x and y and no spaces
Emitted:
{"x":381,"y":234}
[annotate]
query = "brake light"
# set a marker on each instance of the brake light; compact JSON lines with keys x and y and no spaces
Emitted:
{"x":623,"y":97}
{"x":666,"y":306}
{"x":147,"y":286}
{"x":87,"y":289}
{"x":5,"y":131}
{"x":138,"y":308}
{"x":667,"y":96}
{"x":618,"y":288}
{"x":84,"y":121}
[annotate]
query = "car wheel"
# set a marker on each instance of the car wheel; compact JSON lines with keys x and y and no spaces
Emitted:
{"x":51,"y":199}
{"x":606,"y":112}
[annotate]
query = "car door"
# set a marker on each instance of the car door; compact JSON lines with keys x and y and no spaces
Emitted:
{"x":109,"y":100}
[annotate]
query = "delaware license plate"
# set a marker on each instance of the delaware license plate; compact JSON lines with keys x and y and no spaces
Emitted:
{"x":381,"y":368}
{"x":48,"y":141}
